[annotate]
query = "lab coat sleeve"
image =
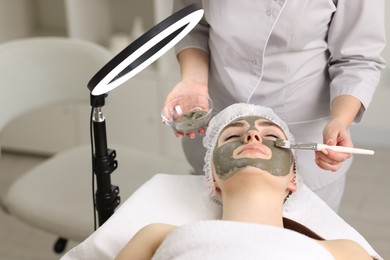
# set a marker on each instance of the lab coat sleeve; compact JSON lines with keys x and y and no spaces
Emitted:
{"x":199,"y":36}
{"x":356,"y":39}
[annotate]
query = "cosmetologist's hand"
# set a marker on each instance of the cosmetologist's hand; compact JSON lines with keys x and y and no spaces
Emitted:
{"x":187,"y":89}
{"x":334,"y":133}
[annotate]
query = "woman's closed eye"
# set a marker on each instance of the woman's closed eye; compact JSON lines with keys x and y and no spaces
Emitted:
{"x":271,"y":137}
{"x":232,"y":136}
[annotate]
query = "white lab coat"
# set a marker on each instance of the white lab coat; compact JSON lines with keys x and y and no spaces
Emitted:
{"x":294,"y":56}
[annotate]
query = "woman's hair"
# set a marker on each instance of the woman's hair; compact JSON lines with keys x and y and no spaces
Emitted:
{"x":221,"y":120}
{"x":295,"y":226}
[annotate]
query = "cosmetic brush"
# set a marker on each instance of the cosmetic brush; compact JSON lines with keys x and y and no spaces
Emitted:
{"x":319,"y":147}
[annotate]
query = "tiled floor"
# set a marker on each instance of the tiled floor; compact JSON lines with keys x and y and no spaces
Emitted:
{"x":366,"y":206}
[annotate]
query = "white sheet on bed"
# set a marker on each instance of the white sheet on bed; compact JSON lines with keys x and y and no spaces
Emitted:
{"x":181,"y":199}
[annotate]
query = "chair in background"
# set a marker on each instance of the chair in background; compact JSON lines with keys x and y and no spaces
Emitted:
{"x":56,"y":196}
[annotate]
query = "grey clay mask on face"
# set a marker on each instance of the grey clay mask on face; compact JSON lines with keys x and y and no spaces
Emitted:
{"x":225,"y":165}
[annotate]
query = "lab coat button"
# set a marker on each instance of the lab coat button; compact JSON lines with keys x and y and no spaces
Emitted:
{"x":268,"y":12}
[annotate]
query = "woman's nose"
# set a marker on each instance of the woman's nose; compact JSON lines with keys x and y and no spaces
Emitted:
{"x":252,"y":136}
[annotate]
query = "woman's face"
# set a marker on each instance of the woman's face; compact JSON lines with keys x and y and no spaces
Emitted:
{"x":250,"y":141}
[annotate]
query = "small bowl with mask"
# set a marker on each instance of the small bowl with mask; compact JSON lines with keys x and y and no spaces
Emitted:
{"x":187,"y":114}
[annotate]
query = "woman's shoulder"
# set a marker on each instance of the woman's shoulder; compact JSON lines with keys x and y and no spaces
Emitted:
{"x":155,"y":232}
{"x":159,"y":227}
{"x":146,"y":241}
{"x":345,"y":249}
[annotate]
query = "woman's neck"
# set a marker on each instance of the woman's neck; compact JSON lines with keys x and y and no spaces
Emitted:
{"x":259,"y":207}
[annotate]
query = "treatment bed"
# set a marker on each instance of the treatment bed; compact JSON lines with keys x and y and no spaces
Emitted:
{"x":182,"y":199}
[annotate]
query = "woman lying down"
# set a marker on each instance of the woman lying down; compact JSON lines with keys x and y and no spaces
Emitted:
{"x":252,"y":179}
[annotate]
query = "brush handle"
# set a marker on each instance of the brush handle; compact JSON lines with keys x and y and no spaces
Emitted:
{"x":344,"y":149}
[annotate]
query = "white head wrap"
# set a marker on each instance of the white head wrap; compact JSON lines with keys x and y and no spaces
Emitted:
{"x":221,"y":120}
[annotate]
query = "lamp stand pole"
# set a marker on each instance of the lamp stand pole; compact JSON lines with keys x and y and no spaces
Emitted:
{"x":104,"y":163}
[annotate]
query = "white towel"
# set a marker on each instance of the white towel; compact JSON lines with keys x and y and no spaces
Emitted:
{"x":216,"y":239}
{"x":181,"y":199}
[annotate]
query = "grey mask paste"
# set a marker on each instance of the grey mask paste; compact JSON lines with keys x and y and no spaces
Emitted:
{"x":225,"y":165}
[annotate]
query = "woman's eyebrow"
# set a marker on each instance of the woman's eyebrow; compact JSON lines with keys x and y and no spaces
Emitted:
{"x":242,"y":124}
{"x":232,"y":125}
{"x":235,"y":124}
{"x":267,"y":123}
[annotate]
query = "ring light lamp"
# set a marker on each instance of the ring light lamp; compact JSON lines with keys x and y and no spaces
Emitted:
{"x":125,"y":65}
{"x":145,"y":50}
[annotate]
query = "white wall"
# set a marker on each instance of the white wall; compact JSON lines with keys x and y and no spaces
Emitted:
{"x":133,"y":106}
{"x":373,"y":130}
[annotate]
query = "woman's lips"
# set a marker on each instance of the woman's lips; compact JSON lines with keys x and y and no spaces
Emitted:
{"x":253,"y":149}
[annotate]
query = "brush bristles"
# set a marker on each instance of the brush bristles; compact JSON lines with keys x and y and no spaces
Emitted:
{"x":282,"y":143}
